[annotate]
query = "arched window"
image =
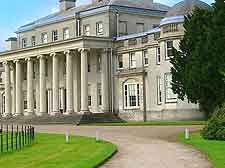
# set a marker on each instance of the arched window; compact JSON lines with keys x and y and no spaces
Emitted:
{"x":131,"y":91}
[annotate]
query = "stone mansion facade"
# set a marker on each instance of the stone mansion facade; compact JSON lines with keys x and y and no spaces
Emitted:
{"x":109,"y":56}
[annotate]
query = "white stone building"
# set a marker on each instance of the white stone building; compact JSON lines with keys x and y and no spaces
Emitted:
{"x":109,"y":56}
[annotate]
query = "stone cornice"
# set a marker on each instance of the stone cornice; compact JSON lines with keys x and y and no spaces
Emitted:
{"x":59,"y":46}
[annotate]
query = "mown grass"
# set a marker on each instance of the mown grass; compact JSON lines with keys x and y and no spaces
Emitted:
{"x":152,"y":123}
{"x":215,"y":150}
{"x":51,"y":151}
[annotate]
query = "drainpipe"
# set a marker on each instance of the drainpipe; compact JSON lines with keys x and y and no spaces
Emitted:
{"x":112,"y":80}
{"x":117,"y":24}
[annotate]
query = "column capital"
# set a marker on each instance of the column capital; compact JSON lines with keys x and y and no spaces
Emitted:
{"x":5,"y":62}
{"x":28,"y":59}
{"x":17,"y":60}
{"x":53,"y":54}
{"x":83,"y":49}
{"x":105,"y":50}
{"x":41,"y":57}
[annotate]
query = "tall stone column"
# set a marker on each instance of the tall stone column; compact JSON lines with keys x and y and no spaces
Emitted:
{"x":55,"y":83}
{"x":19,"y":89}
{"x":42,"y":76}
{"x":7,"y":91}
{"x":105,"y":81}
{"x":13,"y":80}
{"x":69,"y":82}
{"x":37,"y":87}
{"x":50,"y":101}
{"x":30,"y":87}
{"x":84,"y":80}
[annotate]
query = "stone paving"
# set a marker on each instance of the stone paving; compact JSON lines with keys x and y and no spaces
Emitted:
{"x":141,"y":147}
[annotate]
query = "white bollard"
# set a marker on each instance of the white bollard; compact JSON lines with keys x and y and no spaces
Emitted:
{"x":67,"y":137}
{"x":187,"y":135}
{"x":97,"y":136}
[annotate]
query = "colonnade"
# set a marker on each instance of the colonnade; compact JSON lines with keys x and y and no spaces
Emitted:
{"x":15,"y":96}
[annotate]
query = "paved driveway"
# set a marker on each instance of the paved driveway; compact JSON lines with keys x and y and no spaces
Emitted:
{"x":141,"y":147}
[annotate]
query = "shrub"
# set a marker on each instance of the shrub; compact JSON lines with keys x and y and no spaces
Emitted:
{"x":215,"y":128}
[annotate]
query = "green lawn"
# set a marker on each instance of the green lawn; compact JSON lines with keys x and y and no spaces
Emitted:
{"x":153,"y":123}
{"x":51,"y":151}
{"x":215,"y":150}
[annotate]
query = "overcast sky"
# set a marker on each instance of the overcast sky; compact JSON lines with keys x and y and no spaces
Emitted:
{"x":19,"y":12}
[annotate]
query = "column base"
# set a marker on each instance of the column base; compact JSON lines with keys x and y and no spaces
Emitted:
{"x":18,"y":114}
{"x":42,"y":114}
{"x":7,"y":115}
{"x":70,"y":112}
{"x":55,"y":113}
{"x":85,"y":112}
{"x":29,"y":114}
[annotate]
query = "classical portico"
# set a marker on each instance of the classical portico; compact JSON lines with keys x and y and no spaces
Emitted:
{"x":56,"y":82}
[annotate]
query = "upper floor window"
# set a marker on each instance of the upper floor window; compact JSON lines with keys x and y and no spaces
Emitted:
{"x":66,"y":33}
{"x":55,"y":35}
{"x":99,"y":28}
{"x":155,"y":26}
{"x":145,"y":57}
{"x":33,"y":40}
{"x":24,"y":42}
{"x":123,"y":28}
{"x":169,"y":49}
{"x":120,"y":61}
{"x":87,"y":30}
{"x":158,"y":56}
{"x":140,"y":27}
{"x":170,"y":96}
{"x":131,"y":95}
{"x":44,"y":38}
{"x":132,"y":60}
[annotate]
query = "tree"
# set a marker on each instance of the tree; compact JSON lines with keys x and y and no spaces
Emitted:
{"x":199,"y":66}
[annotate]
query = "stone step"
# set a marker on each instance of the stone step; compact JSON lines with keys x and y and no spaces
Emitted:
{"x":63,"y":119}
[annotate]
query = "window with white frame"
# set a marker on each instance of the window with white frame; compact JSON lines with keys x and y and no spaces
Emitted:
{"x":99,"y":63}
{"x":159,"y":90}
{"x":87,"y":30}
{"x":169,"y":50}
{"x":66,"y":33}
{"x":55,"y":35}
{"x":158,"y":56}
{"x":122,"y":28}
{"x":24,"y":42}
{"x":89,"y":95}
{"x":170,"y":96}
{"x":131,"y":95}
{"x":44,"y":38}
{"x":132,"y":60}
{"x":25,"y":99}
{"x":140,"y":27}
{"x":120,"y":61}
{"x":99,"y":28}
{"x":33,"y":40}
{"x":99,"y":94}
{"x":145,"y":57}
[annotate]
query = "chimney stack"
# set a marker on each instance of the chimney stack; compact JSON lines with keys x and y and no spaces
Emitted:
{"x":67,"y":4}
{"x":11,"y":44}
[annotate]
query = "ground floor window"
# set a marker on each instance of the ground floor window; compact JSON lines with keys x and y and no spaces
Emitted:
{"x":170,"y":96}
{"x":99,"y":94}
{"x":159,"y":90}
{"x":131,"y":95}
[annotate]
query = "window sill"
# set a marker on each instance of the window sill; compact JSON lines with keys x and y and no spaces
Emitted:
{"x":132,"y":108}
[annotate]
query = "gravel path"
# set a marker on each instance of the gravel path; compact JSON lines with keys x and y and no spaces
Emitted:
{"x":141,"y":147}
